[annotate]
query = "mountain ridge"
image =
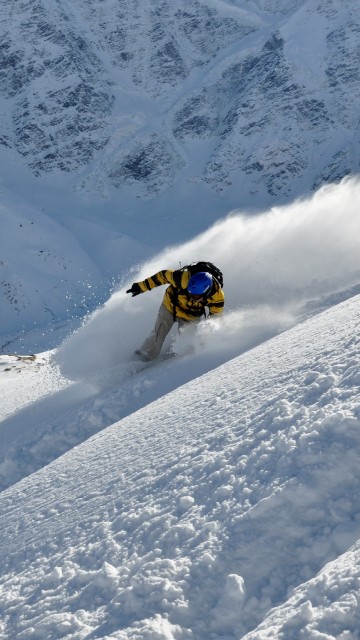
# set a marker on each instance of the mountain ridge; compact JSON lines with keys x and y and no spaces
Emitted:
{"x":68,"y":84}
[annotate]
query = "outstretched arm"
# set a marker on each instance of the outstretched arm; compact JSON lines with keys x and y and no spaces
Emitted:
{"x":166,"y":276}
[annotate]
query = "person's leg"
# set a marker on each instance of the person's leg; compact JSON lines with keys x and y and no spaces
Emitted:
{"x":151,"y":347}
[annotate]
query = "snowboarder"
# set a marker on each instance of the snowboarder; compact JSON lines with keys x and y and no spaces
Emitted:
{"x":184,"y":301}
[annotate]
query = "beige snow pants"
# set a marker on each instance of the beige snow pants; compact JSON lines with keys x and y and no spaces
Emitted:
{"x":151,"y":347}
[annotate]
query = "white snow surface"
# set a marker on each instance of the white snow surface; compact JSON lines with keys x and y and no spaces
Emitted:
{"x":228,"y":508}
{"x":214,"y":495}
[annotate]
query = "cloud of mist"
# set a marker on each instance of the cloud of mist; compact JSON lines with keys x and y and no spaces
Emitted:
{"x":273,"y":264}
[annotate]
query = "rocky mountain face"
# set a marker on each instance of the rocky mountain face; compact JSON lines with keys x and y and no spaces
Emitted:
{"x":258,"y":96}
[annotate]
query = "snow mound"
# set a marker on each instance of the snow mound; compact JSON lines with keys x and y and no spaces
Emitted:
{"x":326,"y":607}
{"x":212,"y":512}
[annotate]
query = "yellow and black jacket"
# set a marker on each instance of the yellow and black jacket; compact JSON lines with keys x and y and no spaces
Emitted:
{"x":178,"y":301}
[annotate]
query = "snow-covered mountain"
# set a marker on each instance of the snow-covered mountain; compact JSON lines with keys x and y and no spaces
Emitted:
{"x":228,"y":508}
{"x":121,"y":118}
{"x":213,"y":495}
{"x":256,"y":97}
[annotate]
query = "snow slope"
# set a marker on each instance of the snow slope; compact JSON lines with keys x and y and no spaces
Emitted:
{"x":214,"y":495}
{"x":279,"y":268}
{"x":228,"y":508}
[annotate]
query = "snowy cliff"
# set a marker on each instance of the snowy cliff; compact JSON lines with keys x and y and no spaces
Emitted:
{"x":256,"y":97}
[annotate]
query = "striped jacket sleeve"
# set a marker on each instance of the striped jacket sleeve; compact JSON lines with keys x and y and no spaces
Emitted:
{"x":216,"y":303}
{"x":166,"y":276}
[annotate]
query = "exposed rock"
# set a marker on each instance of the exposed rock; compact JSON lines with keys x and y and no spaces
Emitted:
{"x":270,"y":87}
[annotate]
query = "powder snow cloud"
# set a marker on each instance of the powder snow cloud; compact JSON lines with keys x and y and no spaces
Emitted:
{"x":275,"y":264}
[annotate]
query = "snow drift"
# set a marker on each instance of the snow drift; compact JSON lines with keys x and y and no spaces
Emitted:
{"x":278,"y":267}
{"x":212,"y":512}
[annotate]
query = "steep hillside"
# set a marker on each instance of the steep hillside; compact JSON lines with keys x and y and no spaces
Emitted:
{"x":248,"y":98}
{"x":212,"y":512}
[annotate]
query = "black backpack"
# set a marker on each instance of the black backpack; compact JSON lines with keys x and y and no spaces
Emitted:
{"x":208,"y":267}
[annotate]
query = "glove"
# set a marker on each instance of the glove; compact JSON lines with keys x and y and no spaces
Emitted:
{"x":135,"y":289}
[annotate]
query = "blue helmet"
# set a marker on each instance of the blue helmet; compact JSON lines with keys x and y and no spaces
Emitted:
{"x":200,"y":284}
